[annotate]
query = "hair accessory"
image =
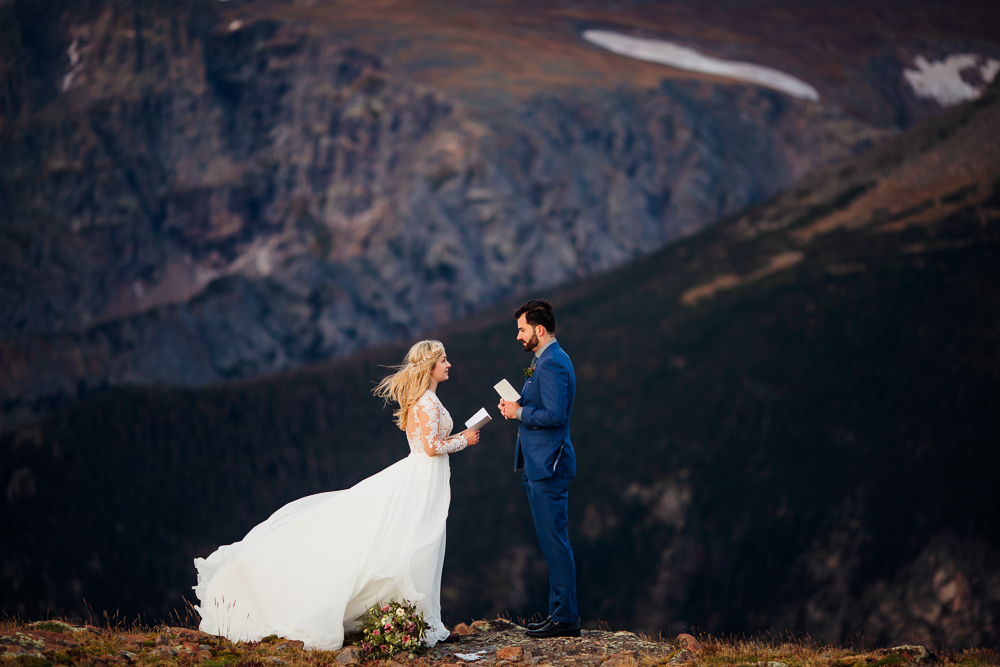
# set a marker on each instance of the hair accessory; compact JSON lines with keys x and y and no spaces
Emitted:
{"x":416,"y":363}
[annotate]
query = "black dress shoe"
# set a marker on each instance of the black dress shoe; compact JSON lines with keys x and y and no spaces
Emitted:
{"x":556,"y":629}
{"x":540,"y":625}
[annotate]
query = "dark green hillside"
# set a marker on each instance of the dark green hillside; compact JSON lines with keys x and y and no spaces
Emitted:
{"x":788,"y":421}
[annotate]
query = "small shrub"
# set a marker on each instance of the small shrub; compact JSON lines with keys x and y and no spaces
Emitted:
{"x":51,"y":626}
{"x":29,"y":661}
{"x":250,"y":662}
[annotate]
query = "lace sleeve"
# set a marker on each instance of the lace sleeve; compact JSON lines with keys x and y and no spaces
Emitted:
{"x":428,"y":414}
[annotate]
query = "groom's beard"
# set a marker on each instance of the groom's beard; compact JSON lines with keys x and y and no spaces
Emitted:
{"x":529,"y":346}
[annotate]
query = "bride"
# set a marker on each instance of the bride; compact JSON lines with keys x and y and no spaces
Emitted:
{"x":311,"y":570}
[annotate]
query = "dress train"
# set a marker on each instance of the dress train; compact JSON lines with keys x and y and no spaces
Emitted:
{"x":314,"y":567}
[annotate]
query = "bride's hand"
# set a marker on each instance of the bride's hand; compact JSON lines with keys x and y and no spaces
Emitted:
{"x":471,"y":437}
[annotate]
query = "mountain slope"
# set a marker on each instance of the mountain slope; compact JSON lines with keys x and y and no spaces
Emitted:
{"x":786,"y":421}
{"x":200,"y":191}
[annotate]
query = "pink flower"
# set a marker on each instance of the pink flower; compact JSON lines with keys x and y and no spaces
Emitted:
{"x":385,"y":608}
{"x":376,"y":632}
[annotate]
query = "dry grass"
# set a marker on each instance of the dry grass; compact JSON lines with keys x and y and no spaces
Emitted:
{"x":8,"y":624}
{"x":977,"y":656}
{"x":803,"y":651}
{"x":739,"y":651}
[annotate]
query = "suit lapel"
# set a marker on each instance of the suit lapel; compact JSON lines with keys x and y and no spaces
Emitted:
{"x":534,"y":363}
{"x":536,"y":360}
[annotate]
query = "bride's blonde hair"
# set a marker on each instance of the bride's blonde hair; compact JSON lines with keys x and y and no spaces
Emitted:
{"x":411,"y":379}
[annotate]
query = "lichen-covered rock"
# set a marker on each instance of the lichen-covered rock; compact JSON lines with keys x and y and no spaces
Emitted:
{"x":621,"y":659}
{"x":689,"y":643}
{"x":910,"y":654}
{"x":511,"y":654}
{"x":349,"y":655}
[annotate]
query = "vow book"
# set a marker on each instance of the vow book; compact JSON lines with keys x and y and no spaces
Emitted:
{"x":478,"y":420}
{"x":507,"y":392}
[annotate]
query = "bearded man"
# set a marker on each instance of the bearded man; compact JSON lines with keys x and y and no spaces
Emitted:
{"x":546,"y":454}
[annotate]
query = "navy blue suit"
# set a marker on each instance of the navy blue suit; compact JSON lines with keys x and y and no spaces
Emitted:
{"x":545,"y":452}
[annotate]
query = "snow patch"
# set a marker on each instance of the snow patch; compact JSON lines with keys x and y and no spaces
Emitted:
{"x":941,"y":80}
{"x":681,"y":57}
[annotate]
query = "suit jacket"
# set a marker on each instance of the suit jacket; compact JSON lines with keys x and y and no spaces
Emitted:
{"x":543,"y":444}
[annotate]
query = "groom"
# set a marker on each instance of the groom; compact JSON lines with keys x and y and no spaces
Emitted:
{"x":544,"y":450}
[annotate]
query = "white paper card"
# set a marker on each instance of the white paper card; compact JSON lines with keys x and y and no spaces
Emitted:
{"x":471,"y":657}
{"x":478,"y":420}
{"x":507,"y":392}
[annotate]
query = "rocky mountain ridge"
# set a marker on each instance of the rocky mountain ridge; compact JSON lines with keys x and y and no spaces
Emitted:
{"x":196,"y":192}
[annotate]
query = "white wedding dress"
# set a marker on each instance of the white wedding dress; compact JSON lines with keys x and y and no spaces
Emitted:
{"x":314,"y":567}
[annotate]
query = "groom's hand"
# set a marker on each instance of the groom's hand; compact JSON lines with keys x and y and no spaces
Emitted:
{"x":508,"y":408}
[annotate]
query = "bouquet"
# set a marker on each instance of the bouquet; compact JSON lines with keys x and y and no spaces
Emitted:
{"x":391,"y":628}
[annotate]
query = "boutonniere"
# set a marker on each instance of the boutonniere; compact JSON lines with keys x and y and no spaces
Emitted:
{"x":528,"y":372}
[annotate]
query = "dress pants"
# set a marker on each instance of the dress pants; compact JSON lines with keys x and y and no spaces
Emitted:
{"x":549,"y":499}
